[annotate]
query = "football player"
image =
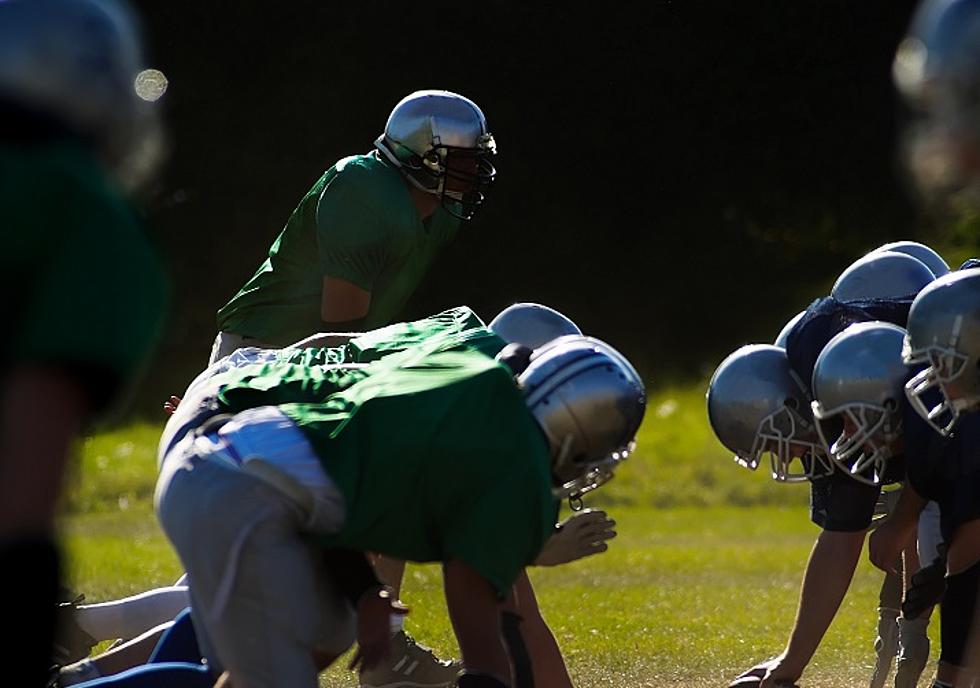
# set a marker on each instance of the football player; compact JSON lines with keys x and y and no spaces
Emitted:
{"x":944,"y":336}
{"x":758,"y":403}
{"x":86,"y":290}
{"x":357,"y":246}
{"x":410,"y":455}
{"x":362,"y":238}
{"x":527,"y":324}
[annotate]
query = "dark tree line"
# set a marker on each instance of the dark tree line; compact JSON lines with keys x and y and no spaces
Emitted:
{"x":680,"y":177}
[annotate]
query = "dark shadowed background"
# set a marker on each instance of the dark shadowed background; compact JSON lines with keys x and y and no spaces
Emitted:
{"x":679,"y":177}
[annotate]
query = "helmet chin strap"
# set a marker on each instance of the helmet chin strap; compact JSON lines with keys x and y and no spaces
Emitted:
{"x":564,"y":453}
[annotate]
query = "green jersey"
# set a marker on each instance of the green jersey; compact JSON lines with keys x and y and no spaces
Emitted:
{"x":83,"y":288}
{"x":454,"y":329}
{"x":358,"y":223}
{"x":436,"y":454}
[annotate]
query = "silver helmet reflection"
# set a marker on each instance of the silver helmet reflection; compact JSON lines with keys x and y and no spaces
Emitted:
{"x":589,"y":402}
{"x":532,"y":325}
{"x":440,"y":142}
{"x":857,"y":387}
{"x":757,"y":405}
{"x":944,"y":336}
{"x":880,"y":275}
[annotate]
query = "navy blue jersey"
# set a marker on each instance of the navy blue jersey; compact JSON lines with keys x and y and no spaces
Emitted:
{"x":946,"y":469}
{"x":827,"y":317}
{"x":837,"y":501}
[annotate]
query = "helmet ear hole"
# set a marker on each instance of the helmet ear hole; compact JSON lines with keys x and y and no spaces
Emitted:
{"x":793,"y":403}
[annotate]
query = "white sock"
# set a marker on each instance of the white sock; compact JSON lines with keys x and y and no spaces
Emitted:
{"x":79,"y":672}
{"x":130,"y":616}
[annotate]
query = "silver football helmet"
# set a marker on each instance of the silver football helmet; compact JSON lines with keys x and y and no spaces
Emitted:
{"x":944,"y":335}
{"x":76,"y":62}
{"x":531,"y":324}
{"x":858,"y":381}
{"x":440,"y":142}
{"x":589,"y":402}
{"x":783,"y":335}
{"x":921,"y":252}
{"x":757,"y":405}
{"x":937,"y":70}
{"x":882,"y":274}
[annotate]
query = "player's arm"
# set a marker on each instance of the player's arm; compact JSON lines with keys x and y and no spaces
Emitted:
{"x":547,"y":664}
{"x":826,"y":580}
{"x":474,"y":611}
{"x":343,"y":303}
{"x":353,"y":242}
{"x":41,"y":412}
{"x":892,"y":536}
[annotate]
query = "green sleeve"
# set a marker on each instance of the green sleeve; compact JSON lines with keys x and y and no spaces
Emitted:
{"x":353,"y":237}
{"x":97,"y":299}
{"x":500,"y":532}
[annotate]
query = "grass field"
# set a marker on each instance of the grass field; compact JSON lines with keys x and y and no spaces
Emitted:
{"x":701,"y":582}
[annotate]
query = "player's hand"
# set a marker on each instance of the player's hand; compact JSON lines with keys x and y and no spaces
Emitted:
{"x":582,"y":534}
{"x":171,"y":404}
{"x":374,"y":611}
{"x":927,"y":588}
{"x":885,"y":547}
{"x":772,"y":673}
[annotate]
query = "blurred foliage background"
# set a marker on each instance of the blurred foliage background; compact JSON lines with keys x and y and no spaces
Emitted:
{"x":678,"y":177}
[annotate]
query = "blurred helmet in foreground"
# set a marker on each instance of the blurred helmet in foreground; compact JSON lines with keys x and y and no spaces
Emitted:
{"x":944,"y":336}
{"x":937,"y":71}
{"x":589,"y":402}
{"x":858,"y":384}
{"x":75,"y":62}
{"x":757,"y":405}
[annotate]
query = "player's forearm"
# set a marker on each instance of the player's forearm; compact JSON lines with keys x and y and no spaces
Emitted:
{"x":825,"y":582}
{"x":41,"y":413}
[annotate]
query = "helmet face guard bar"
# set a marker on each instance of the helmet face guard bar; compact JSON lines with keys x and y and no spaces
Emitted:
{"x":782,"y":435}
{"x":943,"y":367}
{"x":460,"y":176}
{"x":863,"y":454}
{"x":593,"y":478}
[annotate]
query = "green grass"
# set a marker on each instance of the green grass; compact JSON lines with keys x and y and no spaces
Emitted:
{"x":701,"y":582}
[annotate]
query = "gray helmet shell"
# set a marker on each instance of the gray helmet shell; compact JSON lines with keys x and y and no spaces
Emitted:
{"x":757,"y":405}
{"x":589,"y":402}
{"x":882,"y":274}
{"x":944,"y":336}
{"x":859,"y":379}
{"x":921,"y":252}
{"x":783,"y":335}
{"x":532,"y":325}
{"x":427,"y":127}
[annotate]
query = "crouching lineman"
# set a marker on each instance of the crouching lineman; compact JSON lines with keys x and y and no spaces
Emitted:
{"x":443,"y":456}
{"x":758,"y":403}
{"x":944,"y":463}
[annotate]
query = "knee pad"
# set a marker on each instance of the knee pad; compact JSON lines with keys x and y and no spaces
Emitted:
{"x":958,"y":613}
